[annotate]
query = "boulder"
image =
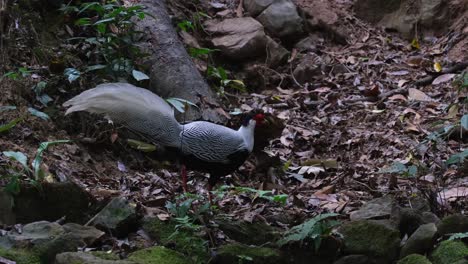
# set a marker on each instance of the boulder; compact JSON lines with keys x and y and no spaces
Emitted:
{"x":31,"y":235}
{"x":281,"y":19}
{"x":51,"y":202}
{"x":421,"y":241}
{"x":19,"y":256}
{"x":378,"y":208}
{"x":158,"y":255}
{"x":238,"y":38}
{"x":118,"y":216}
{"x":414,"y":259}
{"x":88,"y":234}
{"x":7,"y":216}
{"x":456,"y":223}
{"x":449,"y":252}
{"x":238,"y":253}
{"x":371,"y":238}
{"x":255,"y":7}
{"x":88,"y":258}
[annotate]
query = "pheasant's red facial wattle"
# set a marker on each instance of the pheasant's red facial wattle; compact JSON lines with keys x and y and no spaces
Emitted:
{"x":259,"y":118}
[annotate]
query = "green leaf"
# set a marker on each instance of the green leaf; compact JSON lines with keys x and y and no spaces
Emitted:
{"x":197,"y":52}
{"x":38,"y":113}
{"x":44,"y":99}
{"x":18,"y":156}
{"x":72,"y":74}
{"x":180,"y":104}
{"x":84,"y":21}
{"x":139,"y":76}
{"x":7,"y":108}
{"x":95,"y":67}
{"x":36,"y":164}
{"x":102,"y":21}
{"x":13,"y":186}
{"x":464,"y":121}
{"x":458,"y":236}
{"x":145,"y":147}
{"x":457,"y":158}
{"x":11,"y":124}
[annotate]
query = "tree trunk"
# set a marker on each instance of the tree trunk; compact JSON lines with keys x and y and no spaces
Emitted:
{"x":173,"y":73}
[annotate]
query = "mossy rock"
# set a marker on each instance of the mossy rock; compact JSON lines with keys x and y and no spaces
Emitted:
{"x":257,"y":233}
{"x":20,"y":256}
{"x":414,"y":259}
{"x":183,"y":241}
{"x":455,"y":223}
{"x":158,"y":255}
{"x":371,"y":238}
{"x":449,"y":252}
{"x":104,"y":255}
{"x":237,"y":253}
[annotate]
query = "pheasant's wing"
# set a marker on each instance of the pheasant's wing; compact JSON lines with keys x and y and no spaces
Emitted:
{"x":210,"y":142}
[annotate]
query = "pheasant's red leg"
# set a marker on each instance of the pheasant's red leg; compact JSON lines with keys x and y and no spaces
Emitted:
{"x":210,"y":195}
{"x":183,"y":171}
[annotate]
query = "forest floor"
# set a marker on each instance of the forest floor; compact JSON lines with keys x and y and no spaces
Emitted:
{"x":363,"y":129}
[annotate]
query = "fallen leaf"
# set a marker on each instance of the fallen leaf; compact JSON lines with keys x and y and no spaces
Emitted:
{"x":415,"y":94}
{"x":397,"y":97}
{"x":452,"y":194}
{"x":443,"y":78}
{"x":437,"y":67}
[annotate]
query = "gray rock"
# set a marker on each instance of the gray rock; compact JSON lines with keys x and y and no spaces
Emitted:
{"x":7,"y":216}
{"x":82,"y":257}
{"x":407,"y":219}
{"x":255,"y":7}
{"x":281,"y":19}
{"x":375,"y":209}
{"x":119,"y":217}
{"x":276,"y":54}
{"x":372,"y":239}
{"x":89,"y":234}
{"x":455,"y":223}
{"x":429,"y":217}
{"x":52,"y":202}
{"x":421,"y":241}
{"x":354,"y":259}
{"x":32,"y":234}
{"x":309,"y":67}
{"x":238,"y":38}
{"x":307,"y":44}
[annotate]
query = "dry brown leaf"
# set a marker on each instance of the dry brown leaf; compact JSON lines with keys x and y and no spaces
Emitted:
{"x":443,"y":78}
{"x":415,"y":94}
{"x":452,"y":194}
{"x":398,"y":97}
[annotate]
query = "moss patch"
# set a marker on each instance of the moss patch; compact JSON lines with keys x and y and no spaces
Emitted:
{"x":104,"y":255}
{"x":236,"y":253}
{"x":414,"y":259}
{"x":449,"y":252}
{"x":19,"y":256}
{"x":158,"y":255}
{"x":185,"y":242}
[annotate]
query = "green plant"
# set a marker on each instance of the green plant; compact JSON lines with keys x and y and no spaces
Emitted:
{"x":267,"y":195}
{"x":21,"y":72}
{"x":314,"y":229}
{"x":111,"y":32}
{"x":221,"y":75}
{"x":185,"y":25}
{"x":34,"y":172}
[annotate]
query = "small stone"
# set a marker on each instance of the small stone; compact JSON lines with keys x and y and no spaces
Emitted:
{"x":307,"y":44}
{"x":119,"y":216}
{"x":421,"y":241}
{"x":34,"y":234}
{"x":374,"y":209}
{"x":308,"y":68}
{"x":256,"y":233}
{"x":89,"y":234}
{"x":281,"y":19}
{"x":429,"y":217}
{"x":276,"y":54}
